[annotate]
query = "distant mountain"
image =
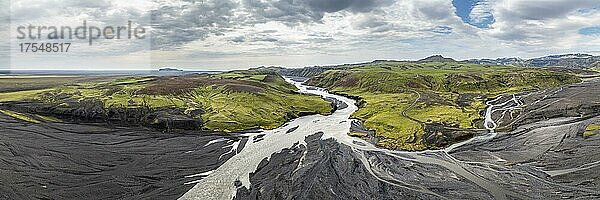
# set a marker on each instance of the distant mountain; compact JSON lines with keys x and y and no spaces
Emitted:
{"x":169,"y":70}
{"x":581,"y":61}
{"x":436,"y":58}
{"x":499,"y":61}
{"x":572,"y":62}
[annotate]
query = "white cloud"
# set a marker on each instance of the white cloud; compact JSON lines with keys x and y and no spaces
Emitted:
{"x":72,"y":13}
{"x":481,"y":12}
{"x":244,"y":33}
{"x":535,"y":25}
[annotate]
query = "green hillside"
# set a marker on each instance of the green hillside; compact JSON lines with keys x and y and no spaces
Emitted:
{"x":233,"y":101}
{"x":423,"y":106}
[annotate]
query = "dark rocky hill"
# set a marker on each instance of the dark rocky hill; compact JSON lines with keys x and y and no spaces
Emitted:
{"x":578,"y":60}
{"x":436,"y":58}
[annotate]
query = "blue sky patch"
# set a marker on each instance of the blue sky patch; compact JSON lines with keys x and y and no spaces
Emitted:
{"x":474,"y":12}
{"x":594,"y":30}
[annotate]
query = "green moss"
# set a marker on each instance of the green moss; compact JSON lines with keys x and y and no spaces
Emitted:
{"x":589,"y":133}
{"x":454,"y":78}
{"x":447,"y":114}
{"x":25,"y":82}
{"x":80,"y":93}
{"x":233,"y":111}
{"x":48,"y":119}
{"x":230,"y":75}
{"x":591,"y":130}
{"x":131,"y":80}
{"x":146,"y":101}
{"x":228,"y":102}
{"x":357,"y":134}
{"x":389,"y":88}
{"x":383,"y":113}
{"x":593,"y":127}
{"x":257,"y":77}
{"x":21,"y":95}
{"x":19,"y":116}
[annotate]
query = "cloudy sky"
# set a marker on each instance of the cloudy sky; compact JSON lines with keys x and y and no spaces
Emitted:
{"x":237,"y":34}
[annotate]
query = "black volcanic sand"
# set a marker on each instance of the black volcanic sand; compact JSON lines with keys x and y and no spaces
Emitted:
{"x":93,"y":161}
{"x":326,"y":169}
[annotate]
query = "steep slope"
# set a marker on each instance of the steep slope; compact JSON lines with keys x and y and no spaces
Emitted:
{"x":227,"y":102}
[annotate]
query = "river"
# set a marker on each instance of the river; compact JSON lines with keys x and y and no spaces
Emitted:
{"x":219,"y":184}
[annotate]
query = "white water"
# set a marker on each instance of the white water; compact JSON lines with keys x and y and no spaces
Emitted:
{"x":489,"y":123}
{"x":219,"y":184}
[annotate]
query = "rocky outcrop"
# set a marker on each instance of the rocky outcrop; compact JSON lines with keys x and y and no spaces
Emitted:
{"x":440,"y":135}
{"x":336,"y":104}
{"x":301,"y":72}
{"x":93,"y":111}
{"x":173,"y":119}
{"x":436,"y":58}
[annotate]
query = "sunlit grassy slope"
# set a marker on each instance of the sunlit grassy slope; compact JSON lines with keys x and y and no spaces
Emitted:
{"x":399,"y":99}
{"x":233,"y":101}
{"x":18,"y":116}
{"x":591,"y":130}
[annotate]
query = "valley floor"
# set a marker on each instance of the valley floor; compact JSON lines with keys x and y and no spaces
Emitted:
{"x":552,"y":154}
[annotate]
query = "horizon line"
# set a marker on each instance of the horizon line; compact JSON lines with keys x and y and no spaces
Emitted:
{"x":283,"y":66}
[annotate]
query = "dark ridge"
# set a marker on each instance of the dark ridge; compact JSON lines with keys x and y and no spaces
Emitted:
{"x":577,"y":60}
{"x":436,"y":58}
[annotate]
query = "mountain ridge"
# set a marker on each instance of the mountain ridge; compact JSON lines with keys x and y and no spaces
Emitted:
{"x":571,"y":60}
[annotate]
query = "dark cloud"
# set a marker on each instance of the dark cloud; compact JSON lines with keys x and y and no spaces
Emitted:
{"x":373,"y":24}
{"x":41,"y":9}
{"x":287,"y":11}
{"x":524,"y":22}
{"x":442,"y":29}
{"x":302,"y":11}
{"x":238,"y":39}
{"x":191,"y":20}
{"x":88,"y":3}
{"x":265,"y":39}
{"x":369,"y":22}
{"x":319,"y":40}
{"x":435,"y":12}
{"x":352,"y":5}
{"x":174,"y":25}
{"x":548,"y":9}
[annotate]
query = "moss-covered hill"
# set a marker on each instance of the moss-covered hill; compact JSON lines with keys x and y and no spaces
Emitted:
{"x":233,"y":101}
{"x":414,"y":106}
